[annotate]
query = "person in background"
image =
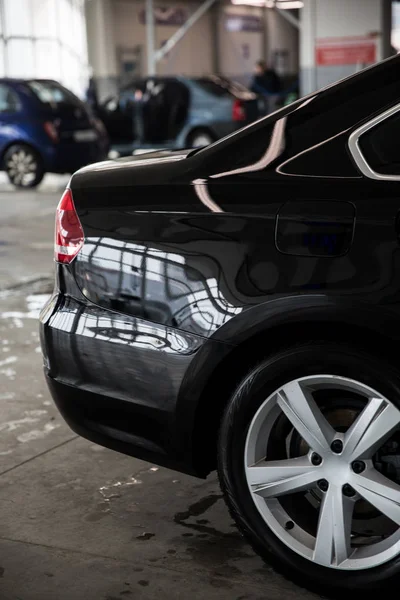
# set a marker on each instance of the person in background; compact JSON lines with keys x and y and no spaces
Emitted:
{"x":266,"y":82}
{"x":91,"y":96}
{"x":131,"y":104}
{"x":138,"y":117}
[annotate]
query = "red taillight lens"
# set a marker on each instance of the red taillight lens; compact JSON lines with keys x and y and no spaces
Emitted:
{"x":51,"y":131}
{"x":238,"y":112}
{"x":69,"y":237}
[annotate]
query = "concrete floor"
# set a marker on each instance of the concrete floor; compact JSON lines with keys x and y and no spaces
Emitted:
{"x":78,"y":521}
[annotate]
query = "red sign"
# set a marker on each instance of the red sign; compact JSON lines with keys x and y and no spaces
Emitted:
{"x":345,"y":51}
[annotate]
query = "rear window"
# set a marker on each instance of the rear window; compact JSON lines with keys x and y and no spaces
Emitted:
{"x":234,"y":86}
{"x":222,"y":87}
{"x":50,"y":92}
{"x":213,"y":88}
{"x":8,"y":100}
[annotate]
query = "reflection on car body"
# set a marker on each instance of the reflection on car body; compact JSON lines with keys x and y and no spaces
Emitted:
{"x":157,"y":286}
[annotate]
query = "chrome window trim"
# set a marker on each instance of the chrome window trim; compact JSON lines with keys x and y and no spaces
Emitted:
{"x":355,"y":149}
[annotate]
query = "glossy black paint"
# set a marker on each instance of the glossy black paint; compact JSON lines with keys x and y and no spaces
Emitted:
{"x":190,"y":257}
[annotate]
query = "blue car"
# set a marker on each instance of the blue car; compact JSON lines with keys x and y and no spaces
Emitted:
{"x":45,"y":128}
{"x":177,"y":112}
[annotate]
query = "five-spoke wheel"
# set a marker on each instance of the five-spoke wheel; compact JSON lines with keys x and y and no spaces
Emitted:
{"x":309,"y":461}
{"x":340,"y":465}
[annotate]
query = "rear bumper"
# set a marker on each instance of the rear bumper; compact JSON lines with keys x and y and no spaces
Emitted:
{"x":117,"y":380}
{"x":116,"y":424}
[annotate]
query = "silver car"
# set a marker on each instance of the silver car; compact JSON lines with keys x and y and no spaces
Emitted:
{"x":177,"y":112}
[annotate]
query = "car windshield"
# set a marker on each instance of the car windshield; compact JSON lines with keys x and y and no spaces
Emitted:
{"x":50,"y":92}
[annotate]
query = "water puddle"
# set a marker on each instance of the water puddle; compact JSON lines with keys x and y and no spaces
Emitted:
{"x":34,"y":305}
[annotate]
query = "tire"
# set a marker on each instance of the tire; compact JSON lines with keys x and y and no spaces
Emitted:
{"x":23,"y":166}
{"x":200,"y":138}
{"x":258,"y":518}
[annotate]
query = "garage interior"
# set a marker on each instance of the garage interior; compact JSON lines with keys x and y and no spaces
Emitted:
{"x":79,"y":521}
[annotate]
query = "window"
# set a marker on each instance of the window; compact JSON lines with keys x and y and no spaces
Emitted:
{"x":380,"y":146}
{"x":213,"y":88}
{"x":221,"y":87}
{"x":8,"y":100}
{"x":234,"y":86}
{"x":50,"y":92}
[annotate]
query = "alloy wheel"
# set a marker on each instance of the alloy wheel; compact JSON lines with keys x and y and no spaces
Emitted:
{"x":314,"y":498}
{"x":22,"y":167}
{"x":201,"y":140}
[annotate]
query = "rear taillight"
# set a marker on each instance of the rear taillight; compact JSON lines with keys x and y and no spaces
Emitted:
{"x":238,"y":112}
{"x":69,"y":237}
{"x":51,"y":131}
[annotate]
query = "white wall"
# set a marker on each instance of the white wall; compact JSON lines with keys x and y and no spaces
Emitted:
{"x":342,"y":18}
{"x":191,"y":56}
{"x":233,"y":61}
{"x":348,"y":17}
{"x":44,"y":38}
{"x":283,"y":36}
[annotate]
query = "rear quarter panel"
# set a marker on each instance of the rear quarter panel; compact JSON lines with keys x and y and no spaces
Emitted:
{"x":196,"y":242}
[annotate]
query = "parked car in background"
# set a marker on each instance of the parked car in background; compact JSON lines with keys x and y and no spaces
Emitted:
{"x":178,"y":112}
{"x":237,"y":307}
{"x":45,"y":128}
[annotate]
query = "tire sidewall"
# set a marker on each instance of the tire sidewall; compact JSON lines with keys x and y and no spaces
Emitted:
{"x":262,"y":381}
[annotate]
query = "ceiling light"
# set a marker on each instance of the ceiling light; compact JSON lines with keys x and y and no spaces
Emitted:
{"x":291,"y":4}
{"x":281,"y":4}
{"x":267,"y":3}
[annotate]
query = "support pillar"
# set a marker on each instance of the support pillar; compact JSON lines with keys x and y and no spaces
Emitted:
{"x":387,"y":28}
{"x":215,"y":24}
{"x":151,"y":59}
{"x":265,"y":33}
{"x":101,"y":46}
{"x":308,"y":34}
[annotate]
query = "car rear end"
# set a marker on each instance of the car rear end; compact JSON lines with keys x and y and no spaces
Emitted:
{"x":115,"y":376}
{"x":225,"y":105}
{"x":72,"y":138}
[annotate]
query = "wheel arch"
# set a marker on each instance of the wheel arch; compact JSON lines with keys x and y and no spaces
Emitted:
{"x":219,"y":371}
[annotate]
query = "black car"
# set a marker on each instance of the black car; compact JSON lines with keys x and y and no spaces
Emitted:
{"x":238,"y":308}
